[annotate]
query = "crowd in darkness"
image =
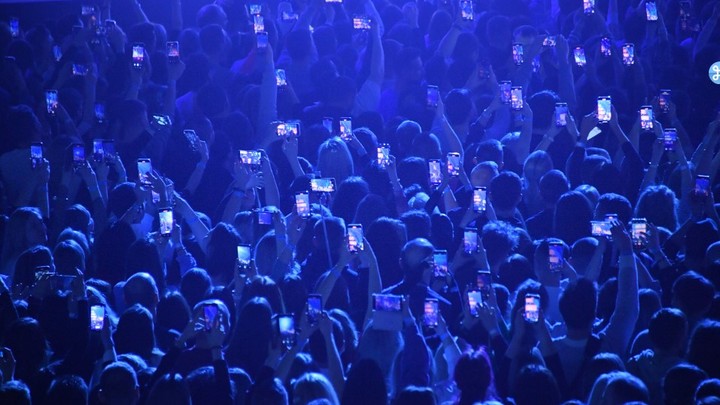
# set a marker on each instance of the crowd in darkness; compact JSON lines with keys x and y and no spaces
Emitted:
{"x":366,"y":202}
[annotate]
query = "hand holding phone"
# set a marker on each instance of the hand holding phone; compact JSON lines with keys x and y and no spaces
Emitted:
{"x":480,"y":199}
{"x":97,"y":317}
{"x":555,"y":256}
{"x":435,"y":171}
{"x":314,"y":308}
{"x":138,"y":55}
{"x":355,"y":238}
{"x":166,"y":221}
{"x":173,"y":51}
{"x":453,"y":164}
{"x":302,"y":204}
{"x":430,"y":313}
{"x":244,"y":256}
{"x":532,"y":308}
{"x":36,"y":154}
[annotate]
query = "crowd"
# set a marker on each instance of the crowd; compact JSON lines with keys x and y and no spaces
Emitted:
{"x":361,"y":202}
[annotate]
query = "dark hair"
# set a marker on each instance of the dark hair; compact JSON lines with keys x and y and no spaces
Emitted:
{"x":118,"y":381}
{"x":659,"y":206}
{"x":693,"y":294}
{"x":506,"y":190}
{"x":417,"y":224}
{"x":499,"y":239}
{"x":170,"y":389}
{"x":573,"y":213}
{"x":143,"y":256}
{"x":601,"y":363}
{"x":248,"y":347}
{"x":553,"y":184}
{"x":668,"y":328}
{"x":474,"y":377}
{"x":611,"y":203}
{"x":536,"y":385}
{"x":681,"y":382}
{"x":458,"y":104}
{"x":221,"y":247}
{"x":387,"y":237}
{"x":578,"y":303}
{"x":412,"y":395}
{"x":67,"y":389}
{"x":135,"y":332}
{"x":15,"y":392}
{"x":348,"y":196}
{"x":27,"y":341}
{"x":514,"y":271}
{"x":703,"y":350}
{"x":195,"y":286}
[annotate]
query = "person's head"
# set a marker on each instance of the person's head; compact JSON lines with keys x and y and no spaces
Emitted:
{"x":211,"y":14}
{"x":118,"y":385}
{"x":499,"y":239}
{"x":552,"y":186}
{"x":680,"y":383}
{"x":170,"y":389}
{"x":15,"y":392}
{"x":349,"y":193}
{"x":578,"y":303}
{"x":135,"y":332}
{"x":311,"y":386}
{"x":334,"y":160}
{"x":426,"y":146}
{"x":387,"y":236}
{"x":365,"y":384}
{"x":221,"y":252}
{"x":573,"y":214}
{"x":267,"y":391}
{"x":417,"y":224}
{"x":78,"y":218}
{"x":619,"y":387}
{"x":141,"y":289}
{"x":413,"y":395}
{"x":459,"y":106}
{"x":700,"y":235}
{"x":703,"y":348}
{"x":329,"y":231}
{"x":68,"y":389}
{"x":474,"y":377}
{"x":22,"y":128}
{"x":195,"y":285}
{"x":173,"y":312}
{"x":249,"y":346}
{"x":416,"y":260}
{"x":668,"y":331}
{"x":611,"y":203}
{"x":26,"y":339}
{"x":483,"y":173}
{"x":30,"y":261}
{"x":490,"y":150}
{"x":536,"y":165}
{"x":24,"y":229}
{"x":708,"y":388}
{"x":692,"y":294}
{"x":300,"y":45}
{"x":536,"y":385}
{"x":505,"y":191}
{"x":264,"y":286}
{"x":414,"y":170}
{"x":601,"y":363}
{"x":659,"y":206}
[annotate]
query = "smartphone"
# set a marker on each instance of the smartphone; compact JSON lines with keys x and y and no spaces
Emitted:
{"x":669,"y":138}
{"x":430,"y":313}
{"x":51,"y":101}
{"x":579,"y":54}
{"x":79,"y":70}
{"x":470,"y":240}
{"x":255,"y":9}
{"x":322,"y":185}
{"x":516,"y":98}
{"x":532,"y":307}
{"x":333,"y":1}
{"x":441,"y":263}
{"x":210,"y":316}
{"x":98,"y":152}
{"x":561,"y":113}
{"x":286,"y":329}
{"x":383,"y":155}
{"x":474,"y":299}
{"x":605,"y":46}
{"x":702,"y":184}
{"x":555,"y":256}
{"x":292,"y":128}
{"x":346,"y":129}
{"x":387,"y":302}
{"x":36,"y":154}
{"x":144,"y":167}
{"x":99,"y":113}
{"x":109,"y":149}
{"x":61,"y":282}
{"x":600,"y":228}
{"x":138,"y":55}
{"x":265,"y":217}
{"x":664,"y":100}
{"x":651,"y":10}
{"x":479,"y":199}
{"x":646,"y":118}
{"x":355,"y":241}
{"x":550,"y":41}
{"x":435,"y":171}
{"x":163,"y":121}
{"x":328,"y":124}
{"x":483,"y":279}
{"x":244,"y":255}
{"x":78,"y":155}
{"x":173,"y":51}
{"x":14,"y":27}
{"x":466,"y":10}
{"x":505,"y":92}
{"x":589,"y":6}
{"x":313,"y":308}
{"x":638,"y":227}
{"x":517,"y":54}
{"x":262,"y":40}
{"x":604,"y":109}
{"x":280,"y":78}
{"x":258,"y":23}
{"x":453,"y":164}
{"x":288,"y":17}
{"x":361,"y":23}
{"x":97,"y":317}
{"x":628,"y":54}
{"x":250,"y":157}
{"x":432,"y":97}
{"x":166,"y":221}
{"x":302,"y":204}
